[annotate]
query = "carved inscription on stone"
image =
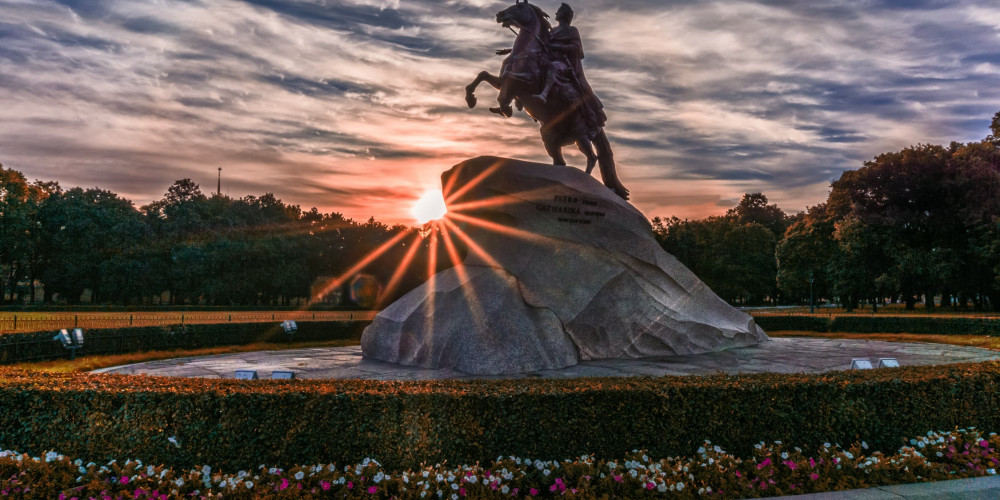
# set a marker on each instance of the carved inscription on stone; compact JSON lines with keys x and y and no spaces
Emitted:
{"x":573,"y":209}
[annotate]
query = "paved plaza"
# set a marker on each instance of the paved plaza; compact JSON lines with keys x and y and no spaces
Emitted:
{"x":779,"y":355}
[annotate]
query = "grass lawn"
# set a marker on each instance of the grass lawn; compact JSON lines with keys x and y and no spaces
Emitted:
{"x":39,"y":321}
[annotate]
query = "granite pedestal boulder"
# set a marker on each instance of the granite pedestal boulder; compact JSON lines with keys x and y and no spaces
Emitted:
{"x":559,"y":269}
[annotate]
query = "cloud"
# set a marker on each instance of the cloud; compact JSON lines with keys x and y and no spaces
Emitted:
{"x":357,"y":105}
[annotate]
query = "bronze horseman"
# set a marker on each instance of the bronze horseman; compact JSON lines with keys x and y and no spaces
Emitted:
{"x":544,"y":73}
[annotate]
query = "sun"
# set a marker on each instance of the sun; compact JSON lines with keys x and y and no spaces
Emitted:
{"x":430,"y":206}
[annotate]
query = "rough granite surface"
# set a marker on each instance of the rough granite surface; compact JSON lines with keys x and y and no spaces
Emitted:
{"x":565,"y":270}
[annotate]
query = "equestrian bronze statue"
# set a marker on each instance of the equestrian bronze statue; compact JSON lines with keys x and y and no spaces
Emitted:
{"x":543,"y":74}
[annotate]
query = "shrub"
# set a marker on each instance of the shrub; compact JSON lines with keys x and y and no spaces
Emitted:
{"x":774,"y":469}
{"x":795,"y":322}
{"x":881,"y":324}
{"x":240,"y":424}
{"x":33,"y":346}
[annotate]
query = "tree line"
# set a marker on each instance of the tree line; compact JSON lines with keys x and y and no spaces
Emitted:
{"x":187,"y":248}
{"x":910,"y":225}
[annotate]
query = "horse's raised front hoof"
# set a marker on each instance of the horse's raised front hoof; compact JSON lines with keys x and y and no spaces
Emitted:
{"x":506,"y":111}
{"x":470,"y":100}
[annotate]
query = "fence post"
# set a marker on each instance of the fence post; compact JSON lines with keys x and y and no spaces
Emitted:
{"x":15,"y":322}
{"x":182,"y":318}
{"x":129,"y":320}
{"x":76,"y":320}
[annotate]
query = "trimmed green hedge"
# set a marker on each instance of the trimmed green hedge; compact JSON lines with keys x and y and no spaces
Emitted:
{"x":20,"y":347}
{"x":242,"y":424}
{"x":882,"y":324}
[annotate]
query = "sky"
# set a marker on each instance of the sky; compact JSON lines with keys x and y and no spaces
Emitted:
{"x":357,"y":106}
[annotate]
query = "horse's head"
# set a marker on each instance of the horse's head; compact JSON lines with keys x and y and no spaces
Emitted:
{"x":523,"y":15}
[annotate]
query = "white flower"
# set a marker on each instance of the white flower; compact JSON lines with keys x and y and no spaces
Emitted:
{"x":454,"y":496}
{"x":864,"y":445}
{"x":51,"y":456}
{"x":454,"y":486}
{"x":179,"y":482}
{"x":680,"y":486}
{"x":406,"y":479}
{"x":633,"y":473}
{"x":423,"y":494}
{"x":173,"y":440}
{"x":784,"y":455}
{"x":546,"y":472}
{"x":150,"y":470}
{"x":506,"y":489}
{"x":425,"y":473}
{"x":299,"y":475}
{"x":991,"y":472}
{"x":662,"y":487}
{"x":248,"y":484}
{"x":439,"y":478}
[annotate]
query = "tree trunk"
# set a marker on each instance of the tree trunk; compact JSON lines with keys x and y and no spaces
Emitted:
{"x":929,"y":301}
{"x":874,"y":305}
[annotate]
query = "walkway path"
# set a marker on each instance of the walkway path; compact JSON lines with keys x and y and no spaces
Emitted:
{"x":779,"y":355}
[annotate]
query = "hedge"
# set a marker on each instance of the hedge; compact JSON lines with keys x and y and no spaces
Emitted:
{"x":240,"y":424}
{"x":882,"y":324}
{"x":33,"y":346}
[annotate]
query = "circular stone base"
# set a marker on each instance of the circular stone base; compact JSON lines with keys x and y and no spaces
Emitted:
{"x":779,"y":355}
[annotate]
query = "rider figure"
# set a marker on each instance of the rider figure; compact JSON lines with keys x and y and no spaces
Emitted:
{"x":567,"y":52}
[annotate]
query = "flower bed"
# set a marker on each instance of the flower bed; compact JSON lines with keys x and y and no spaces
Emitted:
{"x":770,"y":470}
{"x":236,"y":424}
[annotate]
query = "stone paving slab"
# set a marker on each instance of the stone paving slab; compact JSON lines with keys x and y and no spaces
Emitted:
{"x":778,"y":355}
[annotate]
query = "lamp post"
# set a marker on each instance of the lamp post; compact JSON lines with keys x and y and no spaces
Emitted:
{"x":811,"y":301}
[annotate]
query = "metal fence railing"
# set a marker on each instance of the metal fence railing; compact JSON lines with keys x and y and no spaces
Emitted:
{"x":36,"y":322}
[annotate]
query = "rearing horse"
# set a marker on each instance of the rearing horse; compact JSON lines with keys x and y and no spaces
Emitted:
{"x":562,"y":116}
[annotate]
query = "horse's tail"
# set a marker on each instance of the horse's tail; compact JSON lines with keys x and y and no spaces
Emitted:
{"x":606,"y":162}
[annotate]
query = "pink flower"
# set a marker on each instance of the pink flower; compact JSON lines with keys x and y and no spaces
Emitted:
{"x":350,"y":485}
{"x":814,"y":476}
{"x":533,"y":492}
{"x":372,"y":490}
{"x":325,"y":485}
{"x":493,"y":485}
{"x":284,"y":484}
{"x":812,"y":463}
{"x":123,"y":480}
{"x":650,"y":486}
{"x":618,"y":478}
{"x":984,"y":443}
{"x":461,"y":491}
{"x":554,"y":487}
{"x":791,"y":464}
{"x":765,"y":463}
{"x":738,"y":474}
